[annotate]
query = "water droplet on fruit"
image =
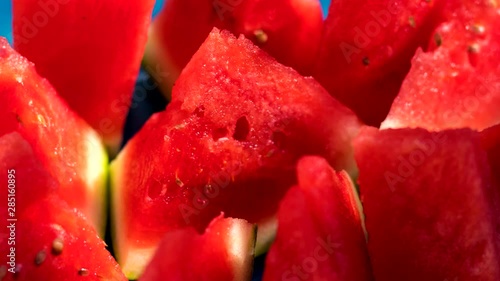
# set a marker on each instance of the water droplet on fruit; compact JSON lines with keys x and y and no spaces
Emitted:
{"x":40,"y":257}
{"x":57,"y":246}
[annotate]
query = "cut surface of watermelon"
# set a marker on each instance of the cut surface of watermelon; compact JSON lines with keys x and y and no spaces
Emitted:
{"x":228,"y":141}
{"x":224,"y":252}
{"x":429,"y":204}
{"x":320,"y":233}
{"x":457,"y":83}
{"x":367,"y":48}
{"x":67,"y":147}
{"x":90,"y":51}
{"x":290,"y":30}
{"x":54,"y":242}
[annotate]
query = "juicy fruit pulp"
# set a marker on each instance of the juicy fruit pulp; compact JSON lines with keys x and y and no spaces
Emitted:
{"x":54,"y":242}
{"x":224,"y":252}
{"x":367,"y":48}
{"x":228,"y":141}
{"x":456,"y":84}
{"x":65,"y":145}
{"x":90,"y":51}
{"x":290,"y":30}
{"x":430,"y":205}
{"x":320,"y":234}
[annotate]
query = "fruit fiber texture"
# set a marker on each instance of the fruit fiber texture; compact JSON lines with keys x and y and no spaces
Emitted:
{"x":90,"y":51}
{"x":224,"y":252}
{"x":64,"y":145}
{"x":320,"y":233}
{"x":367,"y":47}
{"x":54,"y":242}
{"x":456,"y":83}
{"x":229,"y":141}
{"x":289,"y":30}
{"x":430,"y":205}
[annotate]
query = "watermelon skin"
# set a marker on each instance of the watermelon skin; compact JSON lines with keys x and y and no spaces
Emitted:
{"x":64,"y":144}
{"x":429,"y":204}
{"x":83,"y":255}
{"x":90,"y":51}
{"x":224,"y":252}
{"x":366,"y":52}
{"x":320,"y":233}
{"x":292,"y":31}
{"x":456,"y":84}
{"x":221,"y":144}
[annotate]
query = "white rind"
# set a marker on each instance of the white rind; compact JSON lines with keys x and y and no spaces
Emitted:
{"x":96,"y":175}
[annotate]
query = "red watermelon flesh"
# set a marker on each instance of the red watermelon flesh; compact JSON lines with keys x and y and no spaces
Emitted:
{"x":228,"y":141}
{"x":90,"y":51}
{"x":54,"y":242}
{"x":66,"y":147}
{"x":490,"y":140}
{"x":429,"y":204}
{"x":224,"y":252}
{"x":290,"y":30}
{"x":27,"y":180}
{"x":320,"y":234}
{"x":367,"y":48}
{"x":456,"y":84}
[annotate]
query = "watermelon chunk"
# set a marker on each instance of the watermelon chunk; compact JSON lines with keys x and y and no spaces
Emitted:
{"x":224,"y":252}
{"x":367,"y":48}
{"x":90,"y":51}
{"x":228,"y":141}
{"x":66,"y":147}
{"x":53,"y":242}
{"x":457,"y":83}
{"x":320,"y":234}
{"x":429,"y":204}
{"x":290,"y":30}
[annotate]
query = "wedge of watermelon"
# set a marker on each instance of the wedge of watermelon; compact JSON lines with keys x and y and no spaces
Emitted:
{"x":228,"y":141}
{"x":456,"y":84}
{"x":90,"y":51}
{"x":320,"y":234}
{"x":224,"y":252}
{"x":290,"y":30}
{"x":66,"y":147}
{"x":50,"y":241}
{"x":430,"y":205}
{"x":367,"y":49}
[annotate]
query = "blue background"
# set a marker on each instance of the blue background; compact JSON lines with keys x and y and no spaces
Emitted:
{"x":6,"y":18}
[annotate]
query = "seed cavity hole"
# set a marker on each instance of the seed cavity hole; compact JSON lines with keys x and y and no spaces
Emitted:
{"x":219,"y":133}
{"x":242,"y":129}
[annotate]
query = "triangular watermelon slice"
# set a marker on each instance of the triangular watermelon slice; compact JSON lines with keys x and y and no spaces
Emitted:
{"x":66,"y":147}
{"x":430,"y":205}
{"x":90,"y":51}
{"x":320,"y":233}
{"x":290,"y":30}
{"x":224,"y":252}
{"x":367,"y":49}
{"x":51,"y":241}
{"x":457,"y":83}
{"x":228,"y":141}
